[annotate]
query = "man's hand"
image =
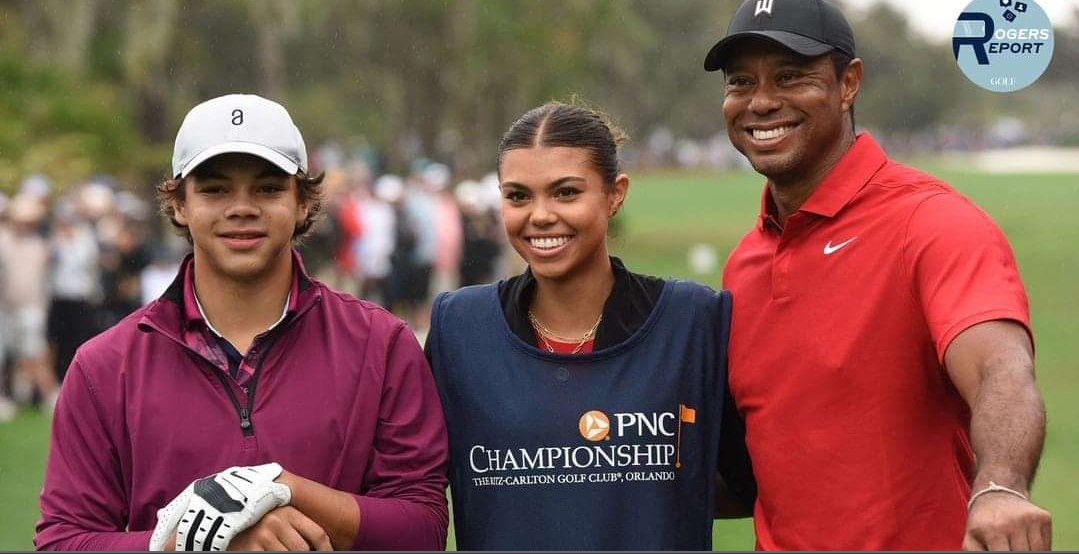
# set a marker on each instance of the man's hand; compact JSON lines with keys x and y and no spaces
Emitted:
{"x":284,"y":528}
{"x":991,"y":364}
{"x":225,"y":504}
{"x":210,"y":512}
{"x":999,"y":521}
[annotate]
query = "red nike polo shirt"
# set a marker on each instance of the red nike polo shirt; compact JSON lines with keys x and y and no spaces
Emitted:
{"x":859,"y":440}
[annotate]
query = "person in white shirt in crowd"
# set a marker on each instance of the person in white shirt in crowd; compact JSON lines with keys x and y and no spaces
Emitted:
{"x":75,"y":280}
{"x":378,"y":240}
{"x":24,"y":256}
{"x":448,"y":231}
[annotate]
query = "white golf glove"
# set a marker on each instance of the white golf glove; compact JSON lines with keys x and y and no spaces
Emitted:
{"x":168,"y":517}
{"x":210,"y":512}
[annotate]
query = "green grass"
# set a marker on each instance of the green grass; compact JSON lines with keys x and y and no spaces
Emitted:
{"x":667,"y":213}
{"x":23,"y":446}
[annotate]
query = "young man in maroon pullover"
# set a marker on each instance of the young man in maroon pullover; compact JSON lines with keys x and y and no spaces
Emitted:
{"x":265,"y":410}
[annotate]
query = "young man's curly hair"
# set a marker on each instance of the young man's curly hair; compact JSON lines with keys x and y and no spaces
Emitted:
{"x":172,"y":191}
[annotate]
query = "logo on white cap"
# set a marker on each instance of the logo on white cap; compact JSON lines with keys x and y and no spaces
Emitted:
{"x":763,"y":6}
{"x":238,"y":123}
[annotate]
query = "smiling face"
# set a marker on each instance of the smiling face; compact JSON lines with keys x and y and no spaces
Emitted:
{"x":241,"y":211}
{"x":788,"y":114}
{"x":556,"y":206}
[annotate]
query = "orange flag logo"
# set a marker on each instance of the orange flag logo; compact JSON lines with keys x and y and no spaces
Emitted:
{"x":687,"y":414}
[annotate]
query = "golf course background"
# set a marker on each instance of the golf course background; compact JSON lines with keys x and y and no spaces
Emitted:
{"x":667,"y":213}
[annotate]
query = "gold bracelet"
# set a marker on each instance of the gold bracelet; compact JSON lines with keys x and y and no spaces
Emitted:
{"x":993,"y":487}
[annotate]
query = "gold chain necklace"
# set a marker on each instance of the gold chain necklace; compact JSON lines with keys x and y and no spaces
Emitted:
{"x":544,"y":332}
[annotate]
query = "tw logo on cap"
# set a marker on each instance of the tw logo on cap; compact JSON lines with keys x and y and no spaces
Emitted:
{"x":763,"y":6}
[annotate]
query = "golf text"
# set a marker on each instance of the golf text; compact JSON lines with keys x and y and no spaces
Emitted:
{"x":619,"y":447}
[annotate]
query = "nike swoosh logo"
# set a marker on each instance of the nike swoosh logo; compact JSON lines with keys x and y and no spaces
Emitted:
{"x":829,"y":249}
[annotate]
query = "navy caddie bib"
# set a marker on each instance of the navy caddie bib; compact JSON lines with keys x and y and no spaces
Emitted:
{"x":612,"y":450}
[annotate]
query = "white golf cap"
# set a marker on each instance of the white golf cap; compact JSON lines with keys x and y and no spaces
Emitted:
{"x":238,"y":123}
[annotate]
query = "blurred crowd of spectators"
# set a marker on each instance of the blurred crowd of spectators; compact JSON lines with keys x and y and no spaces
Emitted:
{"x":398,"y":239}
{"x":662,"y":149}
{"x":76,"y":262}
{"x":70,"y":265}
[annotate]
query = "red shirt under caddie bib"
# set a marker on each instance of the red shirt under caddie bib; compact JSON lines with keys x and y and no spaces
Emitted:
{"x":841,"y":320}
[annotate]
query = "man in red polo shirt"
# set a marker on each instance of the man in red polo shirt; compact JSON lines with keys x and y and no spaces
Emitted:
{"x":881,"y":336}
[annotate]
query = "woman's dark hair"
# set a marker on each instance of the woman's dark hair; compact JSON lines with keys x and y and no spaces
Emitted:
{"x":559,"y":124}
{"x":310,"y":191}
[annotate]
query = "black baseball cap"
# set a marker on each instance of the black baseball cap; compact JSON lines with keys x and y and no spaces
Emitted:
{"x":808,"y":27}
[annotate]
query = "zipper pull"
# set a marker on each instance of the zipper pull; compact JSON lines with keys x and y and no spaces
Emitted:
{"x":245,"y":419}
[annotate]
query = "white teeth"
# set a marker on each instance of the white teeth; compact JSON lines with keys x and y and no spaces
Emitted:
{"x":761,"y":134}
{"x":547,"y":242}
